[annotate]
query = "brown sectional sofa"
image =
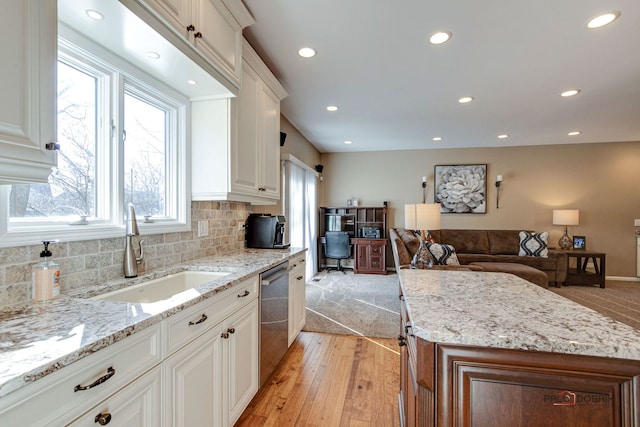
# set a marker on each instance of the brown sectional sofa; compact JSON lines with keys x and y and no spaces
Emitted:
{"x":478,"y":246}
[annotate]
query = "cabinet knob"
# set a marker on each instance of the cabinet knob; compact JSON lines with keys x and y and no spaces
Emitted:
{"x":231,"y":330}
{"x":103,"y":418}
{"x":224,"y":335}
{"x":198,"y":35}
{"x":190,"y":28}
{"x":401,"y":341}
{"x":52,"y":146}
{"x":299,"y":277}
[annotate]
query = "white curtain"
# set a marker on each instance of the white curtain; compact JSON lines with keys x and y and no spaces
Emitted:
{"x":301,"y":208}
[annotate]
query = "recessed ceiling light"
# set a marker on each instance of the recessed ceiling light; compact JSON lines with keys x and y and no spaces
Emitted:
{"x":192,"y":82}
{"x":439,"y":37}
{"x":94,"y":14}
{"x":465,"y":99}
{"x":153,"y":55}
{"x":306,"y":52}
{"x":437,"y":138}
{"x":332,"y":108}
{"x":503,"y":136}
{"x":348,"y":142}
{"x":570,"y":92}
{"x":574,"y":133}
{"x":602,"y":20}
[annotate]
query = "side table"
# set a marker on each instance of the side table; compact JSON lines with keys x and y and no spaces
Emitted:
{"x":579,"y":275}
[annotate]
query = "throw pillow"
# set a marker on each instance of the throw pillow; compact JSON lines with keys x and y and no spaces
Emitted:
{"x":534,"y":244}
{"x":443,"y":254}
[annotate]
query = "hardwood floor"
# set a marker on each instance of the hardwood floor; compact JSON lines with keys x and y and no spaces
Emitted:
{"x":330,"y":380}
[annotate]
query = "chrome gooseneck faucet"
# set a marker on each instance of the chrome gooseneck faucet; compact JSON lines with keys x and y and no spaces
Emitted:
{"x":131,"y":261}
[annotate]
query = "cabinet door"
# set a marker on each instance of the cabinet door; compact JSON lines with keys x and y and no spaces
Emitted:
{"x":138,"y":404}
{"x":243,"y":363}
{"x":177,"y":13}
{"x":28,"y":40}
{"x":244,"y":153}
{"x":193,"y":383}
{"x":220,"y":37}
{"x":270,"y":140}
{"x":362,"y":257}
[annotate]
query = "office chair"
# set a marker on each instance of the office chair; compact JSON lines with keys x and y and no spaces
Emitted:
{"x":337,"y":246}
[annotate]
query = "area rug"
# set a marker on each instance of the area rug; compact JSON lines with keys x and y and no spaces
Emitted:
{"x":619,"y":300}
{"x":353,"y":304}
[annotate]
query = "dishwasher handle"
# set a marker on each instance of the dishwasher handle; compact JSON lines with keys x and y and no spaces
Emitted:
{"x":267,"y":280}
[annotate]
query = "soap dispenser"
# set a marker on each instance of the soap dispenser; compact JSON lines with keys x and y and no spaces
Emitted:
{"x":45,"y":276}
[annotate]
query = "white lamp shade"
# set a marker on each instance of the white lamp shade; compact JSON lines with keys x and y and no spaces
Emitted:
{"x":410,"y":217}
{"x":566,"y":217}
{"x":423,"y":216}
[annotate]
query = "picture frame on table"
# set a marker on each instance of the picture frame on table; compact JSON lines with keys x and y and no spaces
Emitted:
{"x":579,"y":242}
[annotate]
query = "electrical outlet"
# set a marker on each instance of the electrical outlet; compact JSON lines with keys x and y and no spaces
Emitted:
{"x":241,"y":226}
{"x":203,"y":228}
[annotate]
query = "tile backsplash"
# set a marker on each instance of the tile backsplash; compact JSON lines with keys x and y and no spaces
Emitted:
{"x":90,"y":262}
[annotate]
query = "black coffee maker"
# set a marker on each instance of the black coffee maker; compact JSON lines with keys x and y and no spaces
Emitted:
{"x":265,"y":231}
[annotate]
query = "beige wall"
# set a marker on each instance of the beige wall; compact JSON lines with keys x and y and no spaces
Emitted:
{"x":601,"y":180}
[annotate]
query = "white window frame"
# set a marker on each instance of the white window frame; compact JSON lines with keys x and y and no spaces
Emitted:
{"x":110,"y":158}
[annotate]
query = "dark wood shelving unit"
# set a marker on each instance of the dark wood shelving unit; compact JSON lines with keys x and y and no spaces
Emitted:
{"x":361,"y":223}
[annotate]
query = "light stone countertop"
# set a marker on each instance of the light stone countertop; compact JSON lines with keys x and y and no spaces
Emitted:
{"x":41,"y":338}
{"x":504,"y":311}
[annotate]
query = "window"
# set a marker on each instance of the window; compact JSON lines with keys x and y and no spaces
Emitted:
{"x":123,"y":140}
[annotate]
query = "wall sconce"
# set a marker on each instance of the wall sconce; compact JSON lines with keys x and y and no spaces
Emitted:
{"x":498,"y":184}
{"x":424,"y":189}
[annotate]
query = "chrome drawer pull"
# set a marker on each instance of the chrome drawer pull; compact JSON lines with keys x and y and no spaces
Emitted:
{"x":110,"y":372}
{"x":197,"y":322}
{"x":245,"y":294}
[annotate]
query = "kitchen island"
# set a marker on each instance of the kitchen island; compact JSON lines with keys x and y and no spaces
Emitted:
{"x":491,"y":349}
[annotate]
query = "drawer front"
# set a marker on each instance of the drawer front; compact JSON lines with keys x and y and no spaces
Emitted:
{"x":193,"y":322}
{"x":53,"y":400}
{"x":138,"y":404}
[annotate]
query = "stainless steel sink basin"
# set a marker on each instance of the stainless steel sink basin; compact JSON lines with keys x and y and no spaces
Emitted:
{"x":163,"y":287}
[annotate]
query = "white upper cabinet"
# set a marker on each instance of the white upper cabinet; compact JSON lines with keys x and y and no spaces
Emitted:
{"x":236,"y":142}
{"x":208,"y":27}
{"x":28,"y":42}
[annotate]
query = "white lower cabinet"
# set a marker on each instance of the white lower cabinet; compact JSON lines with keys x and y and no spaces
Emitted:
{"x":197,"y":368}
{"x":210,"y":381}
{"x":138,"y":404}
{"x":297,"y":296}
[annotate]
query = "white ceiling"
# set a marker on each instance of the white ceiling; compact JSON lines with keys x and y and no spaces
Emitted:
{"x":396,"y":91}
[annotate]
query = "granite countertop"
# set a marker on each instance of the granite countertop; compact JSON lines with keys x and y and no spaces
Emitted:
{"x":504,"y":311}
{"x":41,"y":338}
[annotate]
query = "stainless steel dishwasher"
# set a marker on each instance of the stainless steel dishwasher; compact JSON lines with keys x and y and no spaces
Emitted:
{"x":274,"y":318}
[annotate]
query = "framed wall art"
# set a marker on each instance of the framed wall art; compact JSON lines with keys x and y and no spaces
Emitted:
{"x":461,"y":188}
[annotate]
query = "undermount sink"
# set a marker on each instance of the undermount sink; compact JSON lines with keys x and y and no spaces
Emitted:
{"x":163,"y":287}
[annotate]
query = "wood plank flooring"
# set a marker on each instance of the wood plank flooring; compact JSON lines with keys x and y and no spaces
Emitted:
{"x":330,"y":380}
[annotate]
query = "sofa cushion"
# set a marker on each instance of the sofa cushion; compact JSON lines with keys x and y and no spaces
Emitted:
{"x":443,"y":254}
{"x":466,"y":241}
{"x":504,"y":242}
{"x":534,"y":244}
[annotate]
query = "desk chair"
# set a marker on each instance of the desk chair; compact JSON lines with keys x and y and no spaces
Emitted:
{"x":337,"y":246}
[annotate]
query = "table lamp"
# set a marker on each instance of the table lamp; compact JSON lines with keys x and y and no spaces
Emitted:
{"x":566,"y":217}
{"x":423,"y":217}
